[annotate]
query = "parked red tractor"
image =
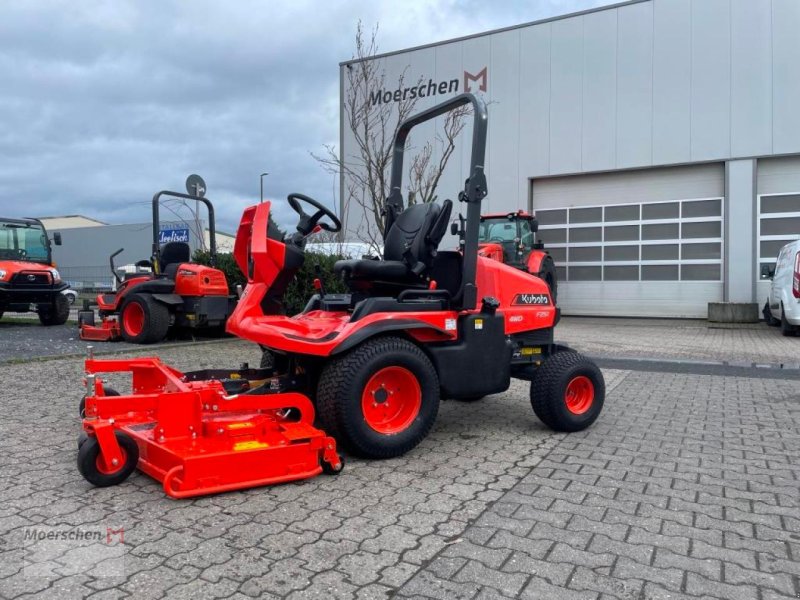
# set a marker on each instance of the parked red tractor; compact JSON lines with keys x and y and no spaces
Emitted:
{"x":511,"y":239}
{"x":417,"y":326}
{"x":175,"y":292}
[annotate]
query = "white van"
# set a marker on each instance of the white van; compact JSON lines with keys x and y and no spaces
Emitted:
{"x":783,"y":305}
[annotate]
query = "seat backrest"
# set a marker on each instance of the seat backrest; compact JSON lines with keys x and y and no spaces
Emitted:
{"x":174,"y":253}
{"x":416,"y":233}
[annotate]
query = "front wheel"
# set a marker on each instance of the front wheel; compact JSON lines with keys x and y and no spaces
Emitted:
{"x":94,"y":468}
{"x":57,"y":313}
{"x":567,"y":392}
{"x":381,"y":399}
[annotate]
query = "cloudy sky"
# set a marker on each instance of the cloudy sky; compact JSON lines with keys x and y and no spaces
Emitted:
{"x":102,"y":103}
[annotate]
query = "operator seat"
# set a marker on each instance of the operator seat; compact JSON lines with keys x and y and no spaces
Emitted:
{"x":409,"y":248}
{"x":173,"y":254}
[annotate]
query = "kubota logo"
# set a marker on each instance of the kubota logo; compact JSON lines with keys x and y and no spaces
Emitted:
{"x":431,"y":88}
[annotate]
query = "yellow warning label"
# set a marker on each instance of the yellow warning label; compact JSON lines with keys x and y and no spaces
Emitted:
{"x":241,"y":425}
{"x":478,"y":323}
{"x":251,"y":445}
{"x":530,"y":351}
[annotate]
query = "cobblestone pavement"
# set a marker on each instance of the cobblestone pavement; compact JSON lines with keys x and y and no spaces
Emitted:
{"x":687,"y":485}
{"x":678,"y":339}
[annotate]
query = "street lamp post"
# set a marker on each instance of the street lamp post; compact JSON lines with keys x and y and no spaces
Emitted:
{"x":262,"y":185}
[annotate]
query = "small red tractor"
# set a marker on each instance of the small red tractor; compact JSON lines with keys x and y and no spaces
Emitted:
{"x":29,"y":280}
{"x":174,"y":293}
{"x":417,"y":326}
{"x":511,"y":239}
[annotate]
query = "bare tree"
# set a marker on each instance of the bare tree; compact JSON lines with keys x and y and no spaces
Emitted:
{"x":373,"y":124}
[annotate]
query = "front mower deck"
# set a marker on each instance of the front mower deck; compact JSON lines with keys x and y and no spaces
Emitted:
{"x":199,"y":433}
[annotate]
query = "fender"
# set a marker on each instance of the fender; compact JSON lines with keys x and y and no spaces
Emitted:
{"x":535,"y":260}
{"x":168,"y":299}
{"x":383,"y":327}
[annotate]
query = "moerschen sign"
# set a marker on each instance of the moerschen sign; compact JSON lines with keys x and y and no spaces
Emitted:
{"x":431,"y":88}
{"x":173,"y":235}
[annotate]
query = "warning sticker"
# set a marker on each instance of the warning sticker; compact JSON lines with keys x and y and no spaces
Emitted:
{"x":450,"y":324}
{"x":478,"y":323}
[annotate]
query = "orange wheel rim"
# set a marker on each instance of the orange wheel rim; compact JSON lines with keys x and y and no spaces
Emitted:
{"x":579,"y":395}
{"x":391,"y":400}
{"x":133,"y":319}
{"x":107,"y":468}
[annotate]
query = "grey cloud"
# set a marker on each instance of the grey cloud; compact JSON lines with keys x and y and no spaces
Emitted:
{"x":103,"y":103}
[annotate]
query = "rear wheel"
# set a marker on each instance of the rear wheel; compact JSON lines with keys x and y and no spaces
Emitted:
{"x":787,"y":329}
{"x":381,"y":399}
{"x":57,"y":313}
{"x":547,"y":273}
{"x":144,"y":320}
{"x":94,"y":468}
{"x":567,"y":392}
{"x":768,"y":318}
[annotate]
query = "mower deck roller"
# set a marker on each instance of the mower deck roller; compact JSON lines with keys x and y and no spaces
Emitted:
{"x":202,"y":432}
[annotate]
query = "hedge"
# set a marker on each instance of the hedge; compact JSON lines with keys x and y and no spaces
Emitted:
{"x":300,"y":289}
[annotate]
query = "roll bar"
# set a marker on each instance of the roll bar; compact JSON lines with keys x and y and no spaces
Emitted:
{"x":474,"y":192}
{"x":212,"y":234}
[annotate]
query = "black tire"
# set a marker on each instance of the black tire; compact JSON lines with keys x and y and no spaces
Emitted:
{"x":89,"y":452}
{"x":550,"y":386}
{"x":329,"y":470}
{"x":57,"y":313}
{"x":108,"y":391}
{"x":82,"y":439}
{"x":768,"y":318}
{"x":85,"y":317}
{"x":343,"y":381}
{"x":547,"y":273}
{"x":155,"y":324}
{"x":787,"y":329}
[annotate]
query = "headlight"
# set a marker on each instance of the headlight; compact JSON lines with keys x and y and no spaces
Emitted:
{"x":2,"y":274}
{"x":56,"y":275}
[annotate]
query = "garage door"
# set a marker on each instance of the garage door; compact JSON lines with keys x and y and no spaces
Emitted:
{"x":778,"y":210}
{"x":644,"y":243}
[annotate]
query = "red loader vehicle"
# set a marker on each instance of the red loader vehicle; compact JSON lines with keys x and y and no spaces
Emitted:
{"x":29,"y":280}
{"x":175,"y":294}
{"x":417,"y":326}
{"x":511,"y":239}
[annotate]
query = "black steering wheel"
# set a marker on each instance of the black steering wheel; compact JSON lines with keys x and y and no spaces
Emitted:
{"x":307,"y":223}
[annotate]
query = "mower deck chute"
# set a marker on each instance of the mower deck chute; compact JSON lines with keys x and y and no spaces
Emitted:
{"x":199,"y":433}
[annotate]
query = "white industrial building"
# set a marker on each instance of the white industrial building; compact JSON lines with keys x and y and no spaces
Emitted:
{"x":658,"y":142}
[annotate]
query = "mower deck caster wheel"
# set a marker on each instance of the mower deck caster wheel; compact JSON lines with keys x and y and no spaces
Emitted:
{"x":82,"y":438}
{"x":329,"y":469}
{"x":567,"y":392}
{"x":82,"y":404}
{"x":95,"y":470}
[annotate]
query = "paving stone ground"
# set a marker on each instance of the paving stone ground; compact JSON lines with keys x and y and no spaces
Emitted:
{"x":687,"y":486}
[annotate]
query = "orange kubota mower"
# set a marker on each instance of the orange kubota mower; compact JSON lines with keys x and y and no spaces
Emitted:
{"x":416,"y":327}
{"x":176,"y":293}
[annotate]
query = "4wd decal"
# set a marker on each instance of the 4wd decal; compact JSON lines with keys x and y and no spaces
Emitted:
{"x":531,"y":299}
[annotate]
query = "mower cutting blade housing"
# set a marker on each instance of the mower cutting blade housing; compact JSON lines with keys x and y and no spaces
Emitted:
{"x":199,"y":433}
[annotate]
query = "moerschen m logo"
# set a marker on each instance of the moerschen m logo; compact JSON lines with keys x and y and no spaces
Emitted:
{"x":431,"y":88}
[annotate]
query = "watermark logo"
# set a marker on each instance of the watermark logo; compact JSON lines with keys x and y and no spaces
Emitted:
{"x":56,"y":552}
